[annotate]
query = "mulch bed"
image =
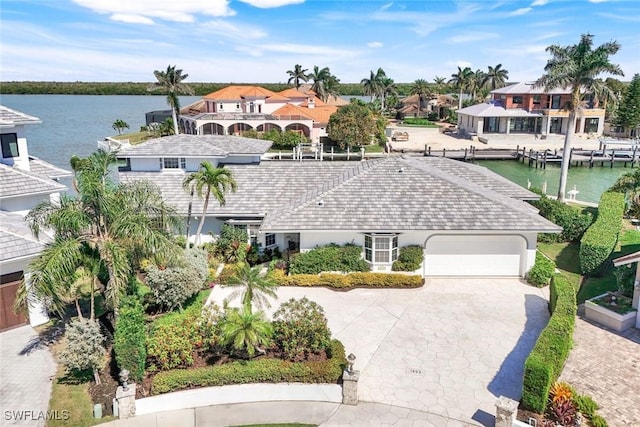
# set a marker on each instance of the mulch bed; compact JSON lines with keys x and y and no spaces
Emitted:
{"x":105,"y":392}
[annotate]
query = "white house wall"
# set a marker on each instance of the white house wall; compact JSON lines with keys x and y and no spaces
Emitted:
{"x":22,"y":161}
{"x":145,"y":164}
{"x":22,"y":204}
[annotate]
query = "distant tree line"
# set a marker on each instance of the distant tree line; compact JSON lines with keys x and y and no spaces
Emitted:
{"x":141,"y":88}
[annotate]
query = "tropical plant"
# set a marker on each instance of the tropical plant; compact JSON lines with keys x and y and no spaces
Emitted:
{"x":246,"y":331}
{"x":297,"y":74}
{"x":324,"y":84}
{"x":461,"y":81}
{"x":577,"y":67}
{"x":629,"y":184}
{"x":207,"y":180}
{"x":560,"y":392}
{"x":253,"y":287}
{"x":171,"y":83}
{"x":441,"y":83}
{"x":85,"y":347}
{"x":372,"y":86}
{"x":129,"y":340}
{"x":119,"y":125}
{"x":352,"y":125}
{"x":628,"y":113}
{"x":104,"y":232}
{"x":300,"y":328}
{"x":421,"y":88}
{"x":495,"y":77}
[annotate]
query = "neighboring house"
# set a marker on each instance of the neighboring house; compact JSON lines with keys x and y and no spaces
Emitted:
{"x":469,"y":220}
{"x":522,"y":108}
{"x":236,"y":109}
{"x":633,"y":258}
{"x":415,"y":106}
{"x":25,"y":181}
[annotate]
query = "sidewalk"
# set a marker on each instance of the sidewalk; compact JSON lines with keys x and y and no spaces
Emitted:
{"x":320,"y":413}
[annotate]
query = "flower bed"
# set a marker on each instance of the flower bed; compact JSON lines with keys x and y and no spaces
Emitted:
{"x":611,"y":310}
{"x":349,"y":281}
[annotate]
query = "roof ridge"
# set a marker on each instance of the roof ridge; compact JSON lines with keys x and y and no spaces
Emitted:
{"x":29,"y":174}
{"x":325,"y":187}
{"x":487,"y":193}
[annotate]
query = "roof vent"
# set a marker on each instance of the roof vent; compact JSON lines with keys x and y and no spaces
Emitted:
{"x":401,"y":170}
{"x":321,"y":202}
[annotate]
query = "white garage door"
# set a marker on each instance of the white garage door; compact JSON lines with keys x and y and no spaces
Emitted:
{"x":454,"y":255}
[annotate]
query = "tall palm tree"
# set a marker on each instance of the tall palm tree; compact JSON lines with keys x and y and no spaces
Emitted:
{"x":254,"y":288}
{"x":461,"y":81}
{"x":297,"y":74}
{"x":421,"y":88}
{"x":495,"y":77}
{"x":476,"y":83}
{"x":246,"y":331}
{"x":388,"y":89}
{"x":171,"y":82}
{"x":209,"y":179}
{"x":103,"y":232}
{"x":331,"y":87}
{"x":440,"y":83}
{"x":320,"y":76}
{"x":577,"y":67}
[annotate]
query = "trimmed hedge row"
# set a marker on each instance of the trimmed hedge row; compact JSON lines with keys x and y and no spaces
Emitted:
{"x":601,"y":237}
{"x":542,"y":271}
{"x":346,"y":281}
{"x":255,"y":371}
{"x":329,"y":258}
{"x":130,"y":337}
{"x":544,"y":364}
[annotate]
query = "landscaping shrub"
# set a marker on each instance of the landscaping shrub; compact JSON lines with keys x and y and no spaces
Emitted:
{"x":347,"y":281}
{"x":409,"y":258}
{"x":545,"y":362}
{"x":329,"y":258}
{"x":573,"y":223}
{"x":129,"y":338}
{"x":231,"y":244}
{"x":173,"y":286}
{"x":262,"y":370}
{"x":542,"y":271}
{"x":598,"y":421}
{"x":601,"y":237}
{"x":418,"y":121}
{"x":85,"y":347}
{"x":300,"y":328}
{"x":586,"y":405}
{"x":174,"y":337}
{"x":625,"y":279}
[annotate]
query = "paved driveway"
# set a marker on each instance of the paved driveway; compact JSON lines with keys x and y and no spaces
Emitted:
{"x":26,"y":369}
{"x":450,"y":348}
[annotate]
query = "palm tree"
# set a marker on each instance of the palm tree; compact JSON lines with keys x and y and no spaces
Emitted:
{"x":209,"y":179}
{"x":325,"y":84}
{"x":171,"y":82}
{"x":440,"y":83}
{"x":629,"y":184}
{"x":254,"y":288}
{"x":476,"y":83}
{"x":103,"y":232}
{"x":461,"y":81}
{"x":246,"y":331}
{"x":577,"y":68}
{"x":421,"y":88}
{"x":297,"y":74}
{"x":119,"y":125}
{"x":388,"y":89}
{"x":495,"y":77}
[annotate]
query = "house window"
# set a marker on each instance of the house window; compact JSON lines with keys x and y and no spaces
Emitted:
{"x":517,"y":99}
{"x":591,"y":125}
{"x":237,"y":106}
{"x":555,"y":102}
{"x":10,"y":145}
{"x":536,"y":100}
{"x":173,"y":163}
{"x":220,"y":106}
{"x":556,"y":125}
{"x":269,"y":239}
{"x":380,"y":248}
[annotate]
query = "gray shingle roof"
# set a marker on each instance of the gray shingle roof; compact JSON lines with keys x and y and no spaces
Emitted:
{"x":42,"y":168}
{"x":429,"y":194}
{"x":9,"y":117}
{"x":196,"y":146}
{"x":16,"y":239}
{"x":17,"y":182}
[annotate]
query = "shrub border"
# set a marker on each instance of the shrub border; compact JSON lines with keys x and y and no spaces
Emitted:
{"x":346,"y":282}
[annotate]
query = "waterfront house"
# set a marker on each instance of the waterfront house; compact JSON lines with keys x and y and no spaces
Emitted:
{"x":522,"y":108}
{"x":235,"y":109}
{"x":25,"y":181}
{"x":470,"y":221}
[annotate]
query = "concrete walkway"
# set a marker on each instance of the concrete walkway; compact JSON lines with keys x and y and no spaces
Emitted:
{"x":606,"y":365}
{"x":26,"y":372}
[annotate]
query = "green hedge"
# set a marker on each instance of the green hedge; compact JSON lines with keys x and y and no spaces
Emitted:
{"x":409,"y":258}
{"x":542,"y":271}
{"x":347,"y":281}
{"x":255,"y":371}
{"x":544,"y":364}
{"x":600,"y":239}
{"x":573,"y":223}
{"x":329,"y":258}
{"x":130,"y":337}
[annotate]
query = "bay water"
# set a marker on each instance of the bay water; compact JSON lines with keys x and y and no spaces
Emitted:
{"x":72,"y":125}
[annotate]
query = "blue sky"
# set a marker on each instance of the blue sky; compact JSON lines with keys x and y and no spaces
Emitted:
{"x":259,"y":40}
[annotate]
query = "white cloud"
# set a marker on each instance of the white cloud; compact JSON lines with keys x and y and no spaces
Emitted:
{"x":386,"y":6}
{"x":131,"y":19}
{"x":521,"y":11}
{"x":168,"y":10}
{"x":472,"y":37}
{"x":374,"y":44}
{"x":228,"y":29}
{"x":629,"y":18}
{"x":302,"y":49}
{"x":539,"y":3}
{"x":266,"y":4}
